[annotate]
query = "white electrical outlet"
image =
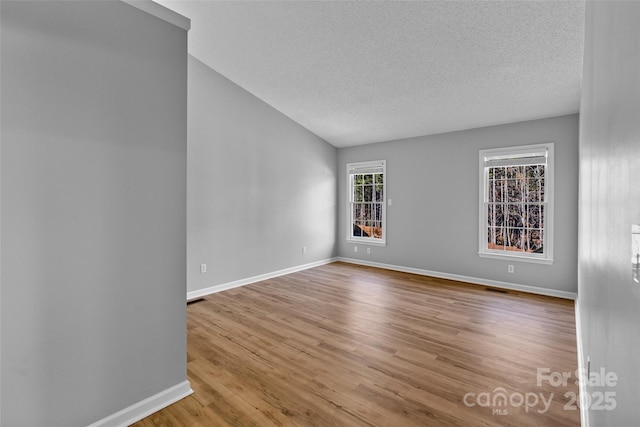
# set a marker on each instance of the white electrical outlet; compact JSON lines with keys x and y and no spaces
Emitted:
{"x":368,"y":250}
{"x":203,"y":268}
{"x":304,"y":249}
{"x":510,"y":268}
{"x":355,"y":249}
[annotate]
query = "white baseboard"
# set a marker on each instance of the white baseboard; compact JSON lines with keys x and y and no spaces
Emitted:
{"x":146,"y":407}
{"x":242,"y":282}
{"x":468,"y":279}
{"x":582,"y":385}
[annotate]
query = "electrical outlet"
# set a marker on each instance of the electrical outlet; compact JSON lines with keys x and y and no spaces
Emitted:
{"x":304,"y":249}
{"x":368,"y":251}
{"x":510,"y":268}
{"x":355,"y":249}
{"x":203,"y":268}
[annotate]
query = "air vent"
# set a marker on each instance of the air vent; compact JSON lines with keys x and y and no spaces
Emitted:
{"x":501,"y":291}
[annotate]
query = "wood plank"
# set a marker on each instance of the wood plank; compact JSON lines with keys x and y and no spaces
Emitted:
{"x":350,"y":345}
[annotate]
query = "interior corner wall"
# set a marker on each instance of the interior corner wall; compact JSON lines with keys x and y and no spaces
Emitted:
{"x":608,"y":297}
{"x":260,"y":186}
{"x":93,"y":172}
{"x":433,"y":221}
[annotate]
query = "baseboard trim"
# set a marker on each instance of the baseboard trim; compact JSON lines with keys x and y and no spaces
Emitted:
{"x":249,"y":280}
{"x":582,"y":385}
{"x":146,"y":407}
{"x":468,"y":279}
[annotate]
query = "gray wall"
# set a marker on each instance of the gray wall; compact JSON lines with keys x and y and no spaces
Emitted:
{"x":260,"y":186}
{"x":93,"y":212}
{"x":610,"y":203}
{"x":433,"y":221}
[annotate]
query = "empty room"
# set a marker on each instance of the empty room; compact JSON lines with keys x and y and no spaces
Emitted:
{"x":319,"y":213}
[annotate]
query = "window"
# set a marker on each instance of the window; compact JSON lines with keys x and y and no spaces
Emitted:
{"x":366,"y":206}
{"x":516,"y":203}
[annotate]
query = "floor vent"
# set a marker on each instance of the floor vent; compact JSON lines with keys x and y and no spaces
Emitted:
{"x":502,"y":291}
{"x":191,"y":301}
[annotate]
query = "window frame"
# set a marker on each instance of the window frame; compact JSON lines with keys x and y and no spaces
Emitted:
{"x":350,"y":202}
{"x":547,"y":203}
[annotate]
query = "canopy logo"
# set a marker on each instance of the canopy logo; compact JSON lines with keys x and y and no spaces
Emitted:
{"x":499,"y":400}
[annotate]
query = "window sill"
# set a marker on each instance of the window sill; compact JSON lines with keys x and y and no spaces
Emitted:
{"x":518,"y":258}
{"x":367,"y":242}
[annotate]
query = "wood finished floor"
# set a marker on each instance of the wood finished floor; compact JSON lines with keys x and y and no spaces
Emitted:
{"x":345,"y":345}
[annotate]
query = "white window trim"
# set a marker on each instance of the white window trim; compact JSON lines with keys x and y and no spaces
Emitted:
{"x":547,"y":257}
{"x":367,"y":240}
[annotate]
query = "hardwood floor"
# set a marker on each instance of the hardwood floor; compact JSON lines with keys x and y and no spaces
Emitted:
{"x":345,"y":345}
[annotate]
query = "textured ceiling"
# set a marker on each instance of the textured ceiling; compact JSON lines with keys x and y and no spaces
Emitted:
{"x":356,"y":72}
